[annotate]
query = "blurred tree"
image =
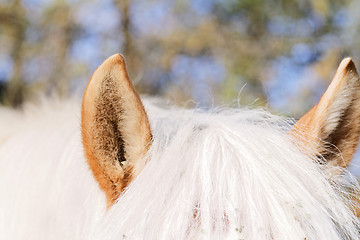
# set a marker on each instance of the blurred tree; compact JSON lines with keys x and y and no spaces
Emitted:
{"x":125,"y":31}
{"x":13,"y":23}
{"x":59,"y":33}
{"x":205,"y":50}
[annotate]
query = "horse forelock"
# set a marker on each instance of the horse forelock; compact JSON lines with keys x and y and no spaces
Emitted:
{"x":230,"y":174}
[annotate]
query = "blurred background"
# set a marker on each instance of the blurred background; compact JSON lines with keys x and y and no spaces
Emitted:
{"x":280,"y":54}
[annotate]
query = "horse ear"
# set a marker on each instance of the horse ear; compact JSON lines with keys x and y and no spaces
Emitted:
{"x":115,"y":128}
{"x":332,"y":127}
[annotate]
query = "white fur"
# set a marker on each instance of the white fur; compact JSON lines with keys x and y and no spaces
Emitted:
{"x":223,"y":174}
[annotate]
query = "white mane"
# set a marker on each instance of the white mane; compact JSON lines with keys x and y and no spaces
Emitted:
{"x":228,"y":174}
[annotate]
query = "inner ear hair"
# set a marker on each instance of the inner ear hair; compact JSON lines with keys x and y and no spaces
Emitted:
{"x":115,"y":128}
{"x":332,"y":127}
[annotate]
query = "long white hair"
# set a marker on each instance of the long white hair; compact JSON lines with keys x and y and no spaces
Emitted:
{"x":230,"y":175}
{"x":218,"y":174}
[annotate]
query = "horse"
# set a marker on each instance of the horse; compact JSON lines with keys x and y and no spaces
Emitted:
{"x":121,"y":167}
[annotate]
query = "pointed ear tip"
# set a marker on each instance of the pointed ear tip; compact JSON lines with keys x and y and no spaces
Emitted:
{"x":347,"y":64}
{"x":116,"y":59}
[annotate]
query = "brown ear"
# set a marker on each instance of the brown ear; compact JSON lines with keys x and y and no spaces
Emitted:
{"x":114,"y":126}
{"x":332,"y":127}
